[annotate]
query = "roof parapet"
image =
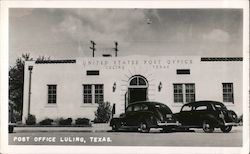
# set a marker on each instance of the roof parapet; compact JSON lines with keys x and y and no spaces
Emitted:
{"x":55,"y":61}
{"x":221,"y":58}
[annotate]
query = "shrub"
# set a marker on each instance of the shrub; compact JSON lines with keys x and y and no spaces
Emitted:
{"x":63,"y":121}
{"x":82,"y":121}
{"x":56,"y":121}
{"x":103,"y":113}
{"x":46,"y":121}
{"x":31,"y":120}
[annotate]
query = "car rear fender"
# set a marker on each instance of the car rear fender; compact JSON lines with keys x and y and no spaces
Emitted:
{"x":211,"y":118}
{"x":148,"y":117}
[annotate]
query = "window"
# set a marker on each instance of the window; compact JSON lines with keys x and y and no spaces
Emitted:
{"x":87,"y":93}
{"x":190,"y":92}
{"x":99,"y":93}
{"x":92,"y":72}
{"x":137,"y":108}
{"x":178,"y":96}
{"x":228,"y":92}
{"x":144,"y":107}
{"x":184,"y":93}
{"x":186,"y":108}
{"x":138,"y":81}
{"x":129,"y":109}
{"x":220,"y":107}
{"x":93,"y":93}
{"x":201,"y":108}
{"x":182,"y":71}
{"x":51,"y":94}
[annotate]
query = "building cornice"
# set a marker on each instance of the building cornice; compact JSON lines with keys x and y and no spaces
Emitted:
{"x":221,"y":59}
{"x":55,"y":61}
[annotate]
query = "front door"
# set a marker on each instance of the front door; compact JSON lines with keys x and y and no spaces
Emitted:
{"x":137,"y":94}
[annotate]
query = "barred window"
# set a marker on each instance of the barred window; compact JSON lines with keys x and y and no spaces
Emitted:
{"x":51,"y":94}
{"x":184,"y":93}
{"x":98,"y":93}
{"x":87,"y":93}
{"x":228,"y":95}
{"x":190,"y":92}
{"x":178,"y":95}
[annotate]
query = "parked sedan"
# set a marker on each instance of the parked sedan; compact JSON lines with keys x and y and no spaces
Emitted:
{"x":145,"y":115}
{"x":207,"y":115}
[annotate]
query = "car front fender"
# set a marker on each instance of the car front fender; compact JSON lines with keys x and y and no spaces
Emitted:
{"x":114,"y":121}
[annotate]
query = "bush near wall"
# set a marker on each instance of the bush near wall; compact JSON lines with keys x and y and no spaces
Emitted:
{"x":103,"y":113}
{"x":31,"y":120}
{"x":46,"y":121}
{"x":82,"y":121}
{"x":63,"y":121}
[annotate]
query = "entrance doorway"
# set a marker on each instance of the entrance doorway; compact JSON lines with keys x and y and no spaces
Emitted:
{"x":137,"y":94}
{"x":137,"y":89}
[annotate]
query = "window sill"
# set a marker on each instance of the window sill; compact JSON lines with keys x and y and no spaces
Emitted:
{"x":228,"y":103}
{"x":51,"y":105}
{"x":89,"y":105}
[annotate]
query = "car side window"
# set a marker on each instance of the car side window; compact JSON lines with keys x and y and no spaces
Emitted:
{"x":144,"y":107}
{"x":137,"y":108}
{"x":201,"y":108}
{"x":219,"y":107}
{"x":129,"y":109}
{"x":186,"y":108}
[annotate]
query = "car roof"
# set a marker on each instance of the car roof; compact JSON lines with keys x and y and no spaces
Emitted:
{"x":146,"y":102}
{"x":150,"y":103}
{"x":203,"y":102}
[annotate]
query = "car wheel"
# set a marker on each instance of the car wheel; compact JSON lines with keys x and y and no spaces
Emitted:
{"x":144,"y":127}
{"x":226,"y":129}
{"x":207,"y":126}
{"x":116,"y":126}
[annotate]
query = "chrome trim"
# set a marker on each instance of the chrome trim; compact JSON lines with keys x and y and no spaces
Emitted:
{"x":231,"y":124}
{"x":169,"y":124}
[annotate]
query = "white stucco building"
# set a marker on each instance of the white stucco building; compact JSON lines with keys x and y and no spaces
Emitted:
{"x":73,"y":88}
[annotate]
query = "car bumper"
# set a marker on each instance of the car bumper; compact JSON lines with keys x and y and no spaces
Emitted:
{"x":169,"y":124}
{"x":231,"y":124}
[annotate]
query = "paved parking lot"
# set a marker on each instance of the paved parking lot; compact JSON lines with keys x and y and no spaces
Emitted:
{"x":125,"y":138}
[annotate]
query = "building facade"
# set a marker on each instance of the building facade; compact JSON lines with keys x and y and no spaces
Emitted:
{"x":73,"y":88}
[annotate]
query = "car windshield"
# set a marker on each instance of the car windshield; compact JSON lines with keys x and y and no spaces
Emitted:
{"x":220,"y":107}
{"x":163,"y":108}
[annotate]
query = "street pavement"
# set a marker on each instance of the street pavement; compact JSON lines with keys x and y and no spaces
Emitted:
{"x":101,"y":135}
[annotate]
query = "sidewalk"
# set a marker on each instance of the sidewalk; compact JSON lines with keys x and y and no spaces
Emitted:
{"x":95,"y":128}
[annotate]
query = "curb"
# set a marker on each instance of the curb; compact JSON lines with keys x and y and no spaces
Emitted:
{"x":95,"y":128}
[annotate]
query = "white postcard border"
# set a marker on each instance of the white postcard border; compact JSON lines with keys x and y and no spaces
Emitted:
{"x":5,"y":5}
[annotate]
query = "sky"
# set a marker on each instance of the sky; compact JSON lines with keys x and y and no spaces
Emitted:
{"x":66,"y":33}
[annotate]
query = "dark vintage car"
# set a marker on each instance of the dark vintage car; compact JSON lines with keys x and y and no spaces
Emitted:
{"x":145,"y":115}
{"x":207,"y":115}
